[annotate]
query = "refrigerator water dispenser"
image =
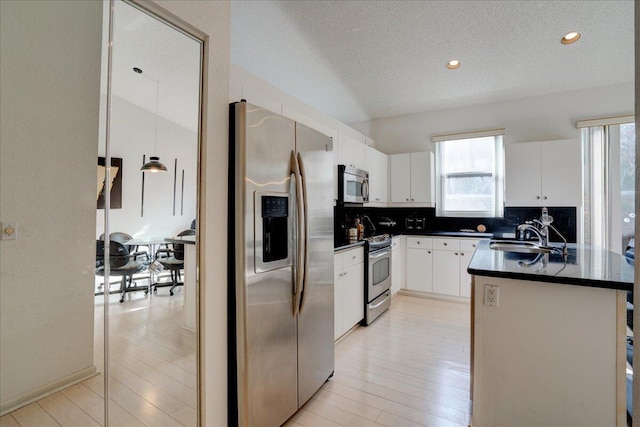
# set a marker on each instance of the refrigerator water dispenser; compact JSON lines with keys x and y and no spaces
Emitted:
{"x":275,"y":228}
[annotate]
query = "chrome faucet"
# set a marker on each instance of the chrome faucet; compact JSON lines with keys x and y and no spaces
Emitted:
{"x":540,"y":227}
{"x":530,"y":226}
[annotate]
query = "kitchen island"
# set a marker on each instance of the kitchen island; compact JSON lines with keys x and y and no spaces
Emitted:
{"x":548,"y":337}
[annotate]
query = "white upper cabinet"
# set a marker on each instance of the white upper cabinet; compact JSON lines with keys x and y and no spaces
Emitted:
{"x":351,"y":151}
{"x":376,"y":165}
{"x":543,"y":173}
{"x":400,"y":171}
{"x":412,"y":177}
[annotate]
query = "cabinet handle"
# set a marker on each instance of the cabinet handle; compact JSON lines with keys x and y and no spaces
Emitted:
{"x":473,"y":245}
{"x":428,"y":252}
{"x":456,"y":253}
{"x":353,"y":257}
{"x":545,"y":197}
{"x":345,"y":273}
{"x":461,"y":253}
{"x":445,"y":243}
{"x":537,"y":197}
{"x":418,"y":242}
{"x":412,"y":199}
{"x":377,"y":199}
{"x":407,"y":200}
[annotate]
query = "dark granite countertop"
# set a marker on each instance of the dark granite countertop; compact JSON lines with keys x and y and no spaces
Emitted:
{"x":348,"y":246}
{"x":586,"y":266}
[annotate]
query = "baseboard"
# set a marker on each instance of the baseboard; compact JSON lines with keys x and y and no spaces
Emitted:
{"x":46,"y":390}
{"x":429,"y":295}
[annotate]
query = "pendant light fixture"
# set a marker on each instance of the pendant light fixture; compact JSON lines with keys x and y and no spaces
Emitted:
{"x":154,"y":165}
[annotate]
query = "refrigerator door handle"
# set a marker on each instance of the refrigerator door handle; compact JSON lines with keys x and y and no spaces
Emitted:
{"x":299,"y":267}
{"x":305,"y":210}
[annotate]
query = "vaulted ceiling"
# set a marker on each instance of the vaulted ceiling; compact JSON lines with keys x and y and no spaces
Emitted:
{"x":360,"y":60}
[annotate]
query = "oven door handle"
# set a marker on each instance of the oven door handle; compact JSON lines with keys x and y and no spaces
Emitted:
{"x":372,"y":307}
{"x":379,"y":253}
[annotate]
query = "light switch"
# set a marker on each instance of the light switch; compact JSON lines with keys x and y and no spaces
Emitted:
{"x":9,"y":230}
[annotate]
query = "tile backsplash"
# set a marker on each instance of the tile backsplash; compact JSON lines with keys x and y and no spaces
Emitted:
{"x":414,"y":220}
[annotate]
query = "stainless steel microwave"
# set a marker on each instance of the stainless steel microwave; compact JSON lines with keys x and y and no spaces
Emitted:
{"x":353,"y":185}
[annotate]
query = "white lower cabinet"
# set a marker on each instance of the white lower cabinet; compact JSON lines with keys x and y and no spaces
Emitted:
{"x":348,"y":290}
{"x":439,"y":266}
{"x":419,"y":264}
{"x":397,"y":264}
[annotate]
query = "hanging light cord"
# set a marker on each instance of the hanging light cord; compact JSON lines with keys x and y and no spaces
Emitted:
{"x":155,"y":135}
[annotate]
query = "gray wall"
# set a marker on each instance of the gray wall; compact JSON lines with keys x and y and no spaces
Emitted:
{"x":50,"y":83}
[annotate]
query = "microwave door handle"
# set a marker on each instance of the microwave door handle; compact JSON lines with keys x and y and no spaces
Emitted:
{"x":299,"y":261}
{"x":305,"y":228}
{"x":365,"y":190}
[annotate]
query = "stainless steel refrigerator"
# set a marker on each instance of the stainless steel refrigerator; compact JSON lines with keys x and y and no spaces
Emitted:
{"x":281,"y":347}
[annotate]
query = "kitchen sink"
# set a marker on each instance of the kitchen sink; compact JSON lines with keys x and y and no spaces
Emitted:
{"x":519,"y":247}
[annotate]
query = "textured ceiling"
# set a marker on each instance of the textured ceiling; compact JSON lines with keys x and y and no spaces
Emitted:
{"x":170,"y":61}
{"x":360,"y":60}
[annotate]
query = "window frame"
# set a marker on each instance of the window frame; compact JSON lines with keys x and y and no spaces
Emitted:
{"x":497,"y":175}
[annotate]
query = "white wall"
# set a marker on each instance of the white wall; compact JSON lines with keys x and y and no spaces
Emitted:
{"x":50,"y":83}
{"x":540,"y":118}
{"x":244,"y":85}
{"x":132,"y":135}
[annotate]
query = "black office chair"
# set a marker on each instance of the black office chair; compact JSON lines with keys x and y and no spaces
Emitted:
{"x":121,"y":263}
{"x":172,"y":258}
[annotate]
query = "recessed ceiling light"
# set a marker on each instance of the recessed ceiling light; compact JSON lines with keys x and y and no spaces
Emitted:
{"x":571,"y":37}
{"x":453,"y":64}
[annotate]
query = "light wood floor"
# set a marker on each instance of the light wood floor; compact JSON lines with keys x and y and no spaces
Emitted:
{"x":409,"y":368}
{"x":153,"y":371}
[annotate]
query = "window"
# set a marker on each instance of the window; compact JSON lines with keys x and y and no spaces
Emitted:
{"x":469,"y":177}
{"x":609,"y":175}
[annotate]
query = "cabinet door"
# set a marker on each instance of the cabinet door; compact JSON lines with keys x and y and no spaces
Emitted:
{"x":350,"y":151}
{"x":446,"y":272}
{"x":352,"y":296}
{"x":337,"y":305}
{"x":465,"y":278}
{"x":383,"y":176}
{"x":371,"y":165}
{"x":522,"y":174}
{"x":397,"y":266}
{"x":421,"y":182}
{"x":337,"y":295}
{"x":419,"y":266}
{"x":400,"y":171}
{"x":561,"y":173}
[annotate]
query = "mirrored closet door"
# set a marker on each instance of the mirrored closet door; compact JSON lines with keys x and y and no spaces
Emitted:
{"x":153,"y":150}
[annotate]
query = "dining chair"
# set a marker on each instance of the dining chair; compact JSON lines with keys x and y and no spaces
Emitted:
{"x":172,"y":258}
{"x":121,"y":263}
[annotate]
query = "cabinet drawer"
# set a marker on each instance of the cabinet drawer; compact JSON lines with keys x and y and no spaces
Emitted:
{"x":468,"y":245}
{"x":446,"y":244}
{"x":395,"y":243}
{"x":419,"y":242}
{"x":352,"y":257}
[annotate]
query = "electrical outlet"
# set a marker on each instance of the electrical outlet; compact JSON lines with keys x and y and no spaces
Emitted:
{"x":491,"y":295}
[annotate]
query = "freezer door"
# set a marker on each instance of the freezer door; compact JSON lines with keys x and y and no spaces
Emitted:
{"x":266,"y":339}
{"x":315,"y":321}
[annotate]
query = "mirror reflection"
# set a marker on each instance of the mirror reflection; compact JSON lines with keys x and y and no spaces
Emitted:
{"x":152,"y":222}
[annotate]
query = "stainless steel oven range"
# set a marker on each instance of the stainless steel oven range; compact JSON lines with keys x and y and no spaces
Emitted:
{"x":377,"y":290}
